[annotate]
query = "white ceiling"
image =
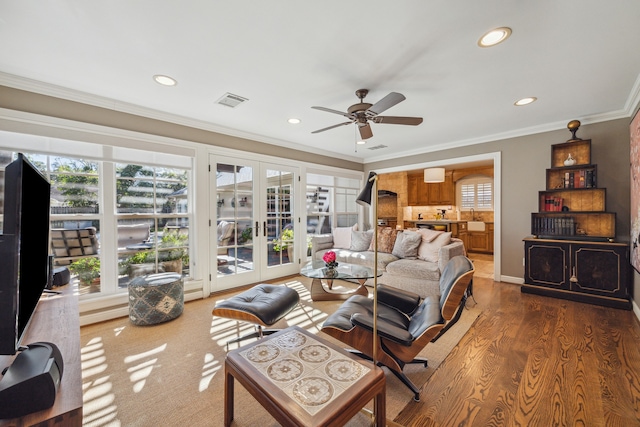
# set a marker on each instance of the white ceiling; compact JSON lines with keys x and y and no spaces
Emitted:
{"x":579,"y":57}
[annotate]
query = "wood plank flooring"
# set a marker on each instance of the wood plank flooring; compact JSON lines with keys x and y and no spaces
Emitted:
{"x":536,"y":361}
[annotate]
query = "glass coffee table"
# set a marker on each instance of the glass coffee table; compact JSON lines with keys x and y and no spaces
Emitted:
{"x":317,"y":271}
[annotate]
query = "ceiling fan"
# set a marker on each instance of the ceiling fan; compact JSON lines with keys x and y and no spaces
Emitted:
{"x":363,"y":112}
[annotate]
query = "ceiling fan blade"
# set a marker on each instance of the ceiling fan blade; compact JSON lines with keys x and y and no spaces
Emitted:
{"x":395,"y":120}
{"x":365,"y":131}
{"x":331,"y":127}
{"x":329,"y":110}
{"x":385,"y":103}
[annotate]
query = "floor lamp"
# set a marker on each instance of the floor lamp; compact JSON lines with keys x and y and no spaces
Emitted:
{"x":369,"y":197}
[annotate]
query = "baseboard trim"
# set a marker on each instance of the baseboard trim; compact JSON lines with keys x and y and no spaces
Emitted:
{"x":511,"y":279}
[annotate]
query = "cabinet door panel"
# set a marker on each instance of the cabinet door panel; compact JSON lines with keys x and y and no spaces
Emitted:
{"x":478,"y":241}
{"x":545,"y":265}
{"x":599,"y":270}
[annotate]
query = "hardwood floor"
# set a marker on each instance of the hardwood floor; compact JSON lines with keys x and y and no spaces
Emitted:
{"x":536,"y":361}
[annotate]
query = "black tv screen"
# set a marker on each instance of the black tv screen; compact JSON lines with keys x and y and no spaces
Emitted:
{"x":24,"y":249}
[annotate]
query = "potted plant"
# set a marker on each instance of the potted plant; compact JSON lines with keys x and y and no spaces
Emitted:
{"x":87,"y":269}
{"x":285,"y":242}
{"x":173,"y":258}
{"x":141,"y":263}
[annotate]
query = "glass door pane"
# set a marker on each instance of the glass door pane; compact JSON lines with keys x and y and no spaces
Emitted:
{"x":278,"y":189}
{"x":235,"y":228}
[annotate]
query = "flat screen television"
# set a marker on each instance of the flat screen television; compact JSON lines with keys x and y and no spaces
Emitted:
{"x":24,"y":250}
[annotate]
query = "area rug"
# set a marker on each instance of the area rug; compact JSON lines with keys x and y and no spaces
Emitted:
{"x":173,"y":373}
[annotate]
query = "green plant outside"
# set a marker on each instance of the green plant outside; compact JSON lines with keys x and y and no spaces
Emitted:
{"x":285,"y":240}
{"x":87,"y":269}
{"x":246,"y":235}
{"x":170,"y":239}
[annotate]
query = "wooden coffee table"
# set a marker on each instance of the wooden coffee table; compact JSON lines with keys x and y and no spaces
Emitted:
{"x":317,"y":271}
{"x":303,"y":380}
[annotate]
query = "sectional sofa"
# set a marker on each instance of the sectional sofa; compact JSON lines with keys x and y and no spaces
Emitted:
{"x":408,"y":259}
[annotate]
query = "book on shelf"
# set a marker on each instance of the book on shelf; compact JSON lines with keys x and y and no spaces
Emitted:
{"x":553,"y":203}
{"x":554,"y":226}
{"x":583,"y":178}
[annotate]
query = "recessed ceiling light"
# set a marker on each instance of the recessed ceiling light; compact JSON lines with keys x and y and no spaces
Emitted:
{"x":361,"y":142}
{"x":525,"y":101}
{"x":495,"y":36}
{"x":165,"y":80}
{"x":294,"y":121}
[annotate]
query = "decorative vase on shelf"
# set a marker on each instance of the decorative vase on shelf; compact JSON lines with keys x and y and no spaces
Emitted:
{"x":570,"y":161}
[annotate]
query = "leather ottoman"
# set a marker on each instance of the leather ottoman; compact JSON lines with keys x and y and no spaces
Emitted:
{"x":262,"y":305}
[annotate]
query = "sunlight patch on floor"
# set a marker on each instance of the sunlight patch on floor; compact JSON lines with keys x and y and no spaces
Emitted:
{"x":97,"y":392}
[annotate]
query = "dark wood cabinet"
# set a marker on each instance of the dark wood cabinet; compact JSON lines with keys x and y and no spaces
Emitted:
{"x":591,"y":272}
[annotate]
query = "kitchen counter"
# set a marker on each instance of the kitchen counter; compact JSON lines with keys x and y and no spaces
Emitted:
{"x":437,"y":221}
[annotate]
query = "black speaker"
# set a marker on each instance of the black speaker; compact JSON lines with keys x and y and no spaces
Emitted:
{"x":31,"y":382}
{"x":61,"y":276}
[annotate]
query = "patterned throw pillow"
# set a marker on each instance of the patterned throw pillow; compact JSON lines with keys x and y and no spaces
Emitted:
{"x":360,"y":240}
{"x":386,"y":239}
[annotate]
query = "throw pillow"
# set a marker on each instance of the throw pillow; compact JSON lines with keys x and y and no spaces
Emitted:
{"x":360,"y":240}
{"x":407,"y":244}
{"x":429,"y":235}
{"x":386,"y":239}
{"x":397,"y":247}
{"x":342,"y":236}
{"x":430,"y":251}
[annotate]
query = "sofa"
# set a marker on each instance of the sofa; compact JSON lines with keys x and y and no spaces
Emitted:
{"x":411,"y":259}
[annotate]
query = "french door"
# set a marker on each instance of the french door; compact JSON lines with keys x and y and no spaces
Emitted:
{"x":253,"y":235}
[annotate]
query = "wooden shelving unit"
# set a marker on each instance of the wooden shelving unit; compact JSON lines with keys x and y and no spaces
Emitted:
{"x":572,"y":206}
{"x":572,"y":253}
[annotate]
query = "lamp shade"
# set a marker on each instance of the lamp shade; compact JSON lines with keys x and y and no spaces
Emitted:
{"x":434,"y":175}
{"x":366,"y":194}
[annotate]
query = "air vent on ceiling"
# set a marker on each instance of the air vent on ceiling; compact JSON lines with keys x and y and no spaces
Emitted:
{"x":377,"y":147}
{"x":231,"y":100}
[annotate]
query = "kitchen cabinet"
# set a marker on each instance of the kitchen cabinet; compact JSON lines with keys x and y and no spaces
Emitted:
{"x":417,"y":190}
{"x":478,"y":241}
{"x":419,"y":193}
{"x":442,"y":193}
{"x":591,"y":272}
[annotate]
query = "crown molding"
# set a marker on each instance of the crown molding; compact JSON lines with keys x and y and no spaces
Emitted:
{"x":35,"y":86}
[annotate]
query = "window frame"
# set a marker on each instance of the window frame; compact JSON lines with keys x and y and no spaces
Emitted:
{"x":475,"y":181}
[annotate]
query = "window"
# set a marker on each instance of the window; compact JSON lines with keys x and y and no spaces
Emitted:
{"x":75,"y":216}
{"x":475,"y":192}
{"x":331,"y":202}
{"x":153,"y":221}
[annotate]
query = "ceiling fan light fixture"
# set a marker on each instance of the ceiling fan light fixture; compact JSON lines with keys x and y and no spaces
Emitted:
{"x":432,"y":175}
{"x":525,"y":101}
{"x":494,"y":37}
{"x":165,"y":80}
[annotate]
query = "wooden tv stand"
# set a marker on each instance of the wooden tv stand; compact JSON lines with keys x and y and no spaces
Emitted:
{"x":56,"y":320}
